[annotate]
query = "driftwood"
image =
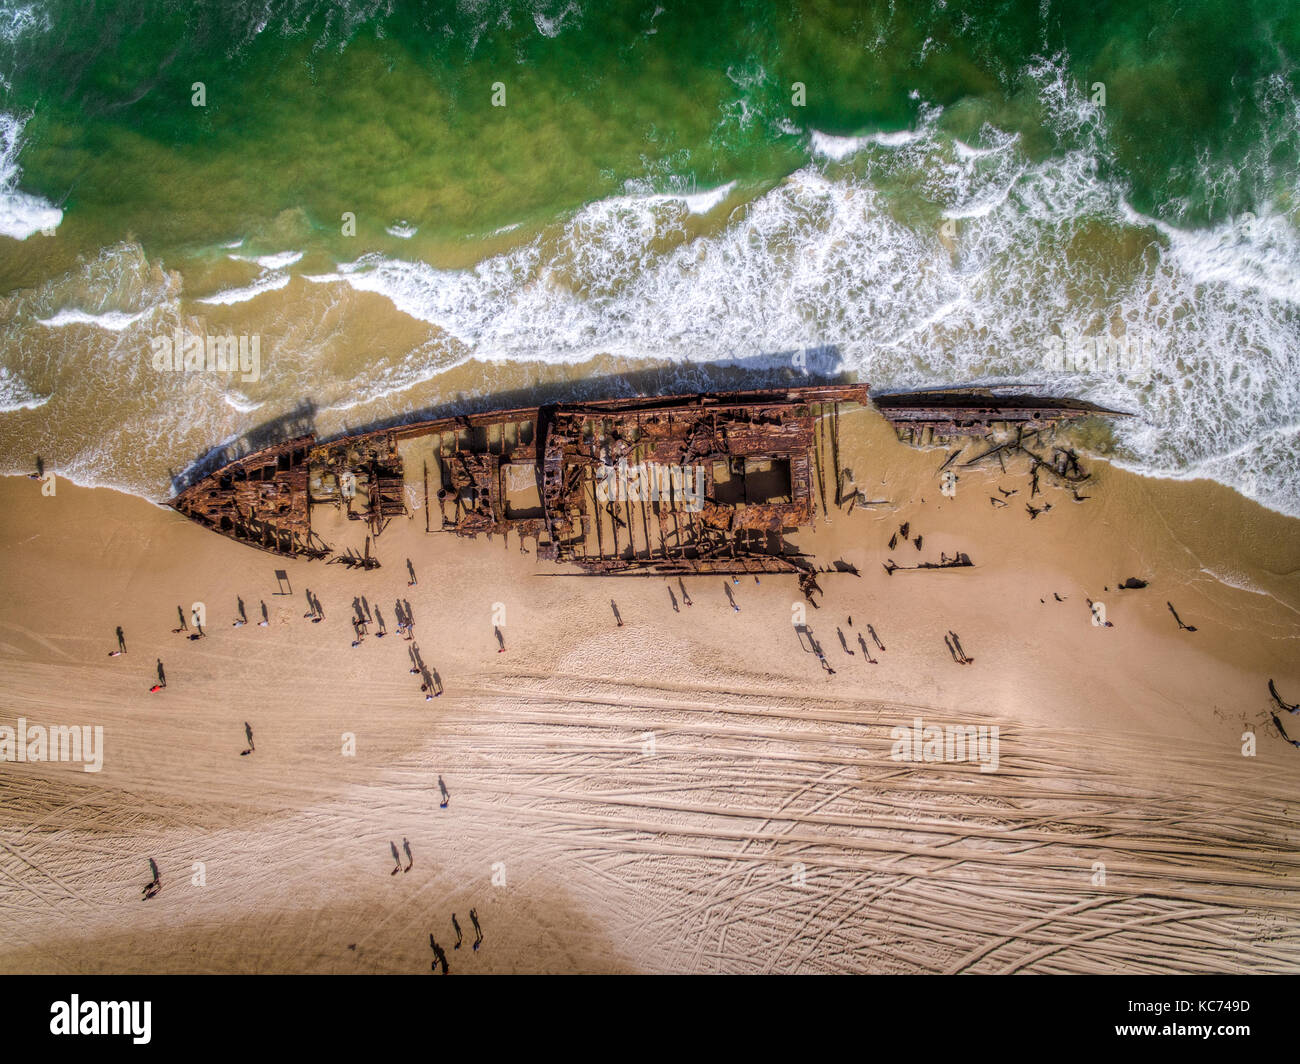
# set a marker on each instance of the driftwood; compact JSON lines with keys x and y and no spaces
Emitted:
{"x":948,"y":461}
{"x":960,"y":560}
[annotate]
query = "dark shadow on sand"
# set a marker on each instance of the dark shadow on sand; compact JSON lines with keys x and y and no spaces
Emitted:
{"x":797,"y":367}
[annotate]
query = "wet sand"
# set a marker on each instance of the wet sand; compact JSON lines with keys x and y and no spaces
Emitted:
{"x":689,"y":792}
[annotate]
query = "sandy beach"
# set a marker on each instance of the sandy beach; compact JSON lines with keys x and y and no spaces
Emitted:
{"x":689,"y":792}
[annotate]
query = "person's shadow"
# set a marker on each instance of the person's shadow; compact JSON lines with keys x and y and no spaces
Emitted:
{"x":804,"y":632}
{"x":162,"y":676}
{"x":951,"y":649}
{"x":617,"y":616}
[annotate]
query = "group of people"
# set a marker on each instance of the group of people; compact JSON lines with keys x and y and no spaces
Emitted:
{"x":406,"y":848}
{"x":440,"y":955}
{"x":430,"y":681}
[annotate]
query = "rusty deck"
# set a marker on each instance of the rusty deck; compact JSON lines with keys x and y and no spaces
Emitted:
{"x":708,"y":483}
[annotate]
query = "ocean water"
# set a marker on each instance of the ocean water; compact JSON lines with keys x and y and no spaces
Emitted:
{"x":414,"y":205}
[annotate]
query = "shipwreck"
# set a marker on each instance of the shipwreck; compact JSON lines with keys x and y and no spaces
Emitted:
{"x":711,"y":483}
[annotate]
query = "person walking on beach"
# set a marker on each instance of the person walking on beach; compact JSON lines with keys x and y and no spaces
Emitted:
{"x":875,"y":638}
{"x":952,"y":651}
{"x":478,"y":930}
{"x":617,"y":616}
{"x":685,"y":597}
{"x":410,"y":571}
{"x":439,"y":954}
{"x":673,"y":599}
{"x":152,"y":888}
{"x":397,"y":861}
{"x":248,"y":734}
{"x":962,"y":656}
{"x":730,"y":597}
{"x":459,"y":937}
{"x":162,"y":675}
{"x":121,"y":641}
{"x":446,"y":796}
{"x":406,"y":846}
{"x":1278,"y":724}
{"x":501,"y":640}
{"x":265,"y":619}
{"x":866,"y":651}
{"x":1287,"y":706}
{"x":180,"y":614}
{"x":431,"y":685}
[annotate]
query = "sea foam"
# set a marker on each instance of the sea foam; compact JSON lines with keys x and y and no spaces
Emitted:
{"x":21,"y":214}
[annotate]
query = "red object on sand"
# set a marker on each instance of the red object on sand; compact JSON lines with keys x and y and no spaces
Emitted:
{"x":155,"y":687}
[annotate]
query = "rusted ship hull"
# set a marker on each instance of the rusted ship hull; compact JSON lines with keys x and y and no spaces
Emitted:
{"x":677,"y":484}
{"x":949,"y":412}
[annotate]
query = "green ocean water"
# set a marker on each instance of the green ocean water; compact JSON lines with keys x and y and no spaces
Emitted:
{"x":928,"y":193}
{"x":386,"y":110}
